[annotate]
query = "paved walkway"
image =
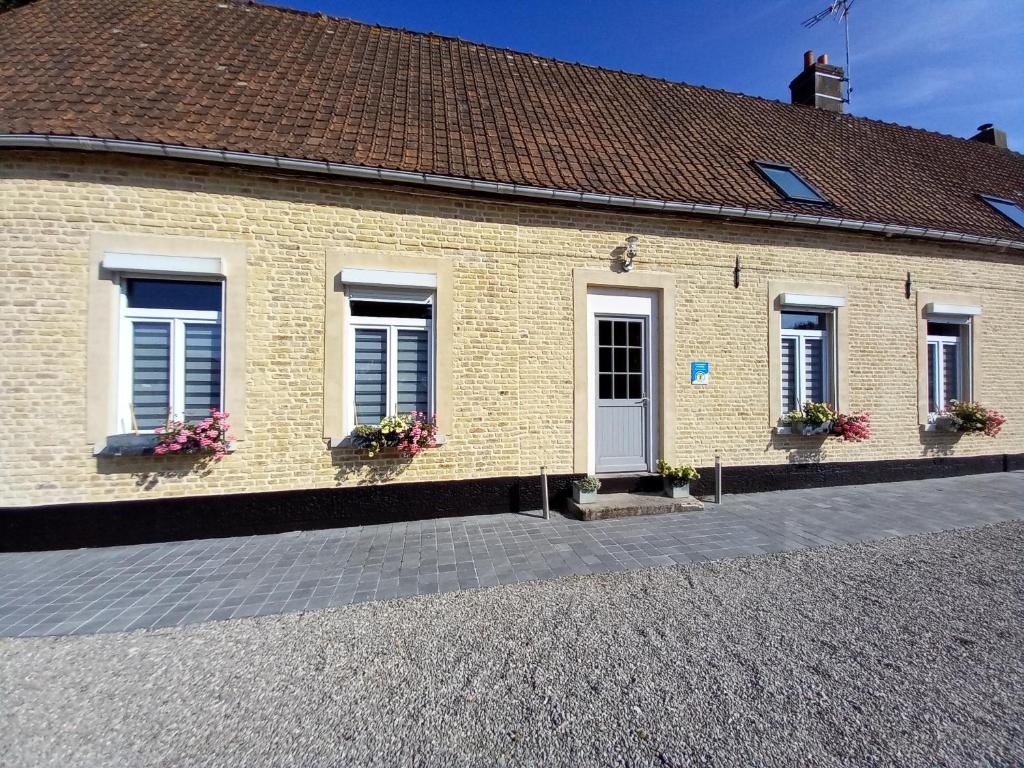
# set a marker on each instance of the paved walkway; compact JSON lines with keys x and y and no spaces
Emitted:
{"x":163,"y":585}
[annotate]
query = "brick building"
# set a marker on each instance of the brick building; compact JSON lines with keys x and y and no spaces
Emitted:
{"x":312,"y":223}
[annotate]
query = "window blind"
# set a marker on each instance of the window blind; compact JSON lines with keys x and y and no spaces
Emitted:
{"x":151,"y":372}
{"x":413,"y":371}
{"x":371,"y":382}
{"x":202,"y":369}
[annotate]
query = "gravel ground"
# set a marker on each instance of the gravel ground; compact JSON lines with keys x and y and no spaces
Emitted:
{"x":907,"y":651}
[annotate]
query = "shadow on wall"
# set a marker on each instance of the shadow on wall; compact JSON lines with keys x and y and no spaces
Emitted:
{"x":939,"y":443}
{"x":148,"y":471}
{"x":800,"y":449}
{"x":354,"y":467}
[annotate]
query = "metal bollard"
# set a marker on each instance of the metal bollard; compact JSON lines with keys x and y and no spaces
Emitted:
{"x":544,"y":492}
{"x":718,"y":479}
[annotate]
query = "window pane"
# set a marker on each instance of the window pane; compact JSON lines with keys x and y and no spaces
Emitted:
{"x":951,"y":372}
{"x":202,"y":369}
{"x":944,"y":329}
{"x":803,"y":321}
{"x":413,"y":372}
{"x":151,"y":373}
{"x":371,"y":381}
{"x":1010,"y":210}
{"x":814,"y":368}
{"x":790,"y":183}
{"x":174,"y":294}
{"x":933,"y":372}
{"x":789,"y":394}
{"x":390,"y":309}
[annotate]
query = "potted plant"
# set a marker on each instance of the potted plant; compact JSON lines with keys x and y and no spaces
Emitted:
{"x":208,"y":437}
{"x":796,"y":421}
{"x":677,"y":479}
{"x":584,"y":490}
{"x":409,"y":434}
{"x":971,"y":417}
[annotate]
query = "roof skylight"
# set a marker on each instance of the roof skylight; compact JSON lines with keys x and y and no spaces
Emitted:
{"x":790,"y":183}
{"x":1011,"y":210}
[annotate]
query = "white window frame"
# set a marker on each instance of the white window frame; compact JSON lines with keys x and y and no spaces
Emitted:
{"x":936,"y":387}
{"x":177,"y":319}
{"x":393,"y":325}
{"x":800,"y":335}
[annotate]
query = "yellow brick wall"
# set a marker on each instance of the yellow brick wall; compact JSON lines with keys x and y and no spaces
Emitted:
{"x":513,"y":318}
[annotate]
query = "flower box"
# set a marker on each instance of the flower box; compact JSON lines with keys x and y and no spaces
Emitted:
{"x":677,"y":491}
{"x":584,"y":491}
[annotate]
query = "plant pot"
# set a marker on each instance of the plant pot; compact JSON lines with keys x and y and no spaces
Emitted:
{"x":676,"y":491}
{"x":797,"y":427}
{"x":583,"y":497}
{"x":945,"y":424}
{"x":818,"y":429}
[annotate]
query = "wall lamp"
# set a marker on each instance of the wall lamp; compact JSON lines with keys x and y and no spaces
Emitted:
{"x":629,"y":252}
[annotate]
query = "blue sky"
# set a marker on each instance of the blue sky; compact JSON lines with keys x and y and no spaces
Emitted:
{"x":944,"y":65}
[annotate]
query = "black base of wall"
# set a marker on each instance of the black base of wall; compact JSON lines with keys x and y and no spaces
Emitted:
{"x":785,"y":477}
{"x":69,"y":526}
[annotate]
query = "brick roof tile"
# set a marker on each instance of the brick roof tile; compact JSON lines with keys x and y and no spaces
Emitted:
{"x":238,"y":76}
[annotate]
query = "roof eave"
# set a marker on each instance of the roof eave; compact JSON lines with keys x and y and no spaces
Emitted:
{"x":181,"y":152}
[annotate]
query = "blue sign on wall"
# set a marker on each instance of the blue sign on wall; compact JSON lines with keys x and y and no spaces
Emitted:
{"x":700,"y":373}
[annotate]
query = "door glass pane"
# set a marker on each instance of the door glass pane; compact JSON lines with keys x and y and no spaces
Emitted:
{"x":636,"y":386}
{"x":604,"y":331}
{"x":604,"y":360}
{"x":789,"y":394}
{"x":413,"y":372}
{"x":814,"y":367}
{"x":951,"y":372}
{"x":151,"y":373}
{"x":604,"y":383}
{"x":620,"y":333}
{"x":621,"y":386}
{"x":371,"y":382}
{"x":635,"y":334}
{"x":620,"y":360}
{"x":636,"y":356}
{"x":202,"y":369}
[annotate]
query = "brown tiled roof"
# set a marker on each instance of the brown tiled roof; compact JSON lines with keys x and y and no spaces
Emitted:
{"x":227,"y":75}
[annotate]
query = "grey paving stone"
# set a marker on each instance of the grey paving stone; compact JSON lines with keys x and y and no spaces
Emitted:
{"x":121,"y":588}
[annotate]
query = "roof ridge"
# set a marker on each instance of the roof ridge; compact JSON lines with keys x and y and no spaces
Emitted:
{"x":840,"y":116}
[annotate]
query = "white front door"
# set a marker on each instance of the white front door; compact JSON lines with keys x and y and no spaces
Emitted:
{"x":622,"y":380}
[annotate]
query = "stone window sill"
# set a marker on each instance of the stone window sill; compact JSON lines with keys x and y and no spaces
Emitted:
{"x":133,"y":444}
{"x":346,"y":442}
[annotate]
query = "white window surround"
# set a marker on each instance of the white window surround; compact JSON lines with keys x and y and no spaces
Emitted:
{"x":118,"y":255}
{"x":806,"y":300}
{"x":820,"y":297}
{"x":392,"y":325}
{"x":959,"y":309}
{"x":177,"y":319}
{"x":375,"y":265}
{"x":801,"y":336}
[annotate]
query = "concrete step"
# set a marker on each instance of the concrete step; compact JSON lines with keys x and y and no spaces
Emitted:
{"x":631,"y":505}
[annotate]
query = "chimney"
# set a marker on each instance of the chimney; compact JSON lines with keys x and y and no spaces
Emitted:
{"x":988,"y":134}
{"x":819,"y":85}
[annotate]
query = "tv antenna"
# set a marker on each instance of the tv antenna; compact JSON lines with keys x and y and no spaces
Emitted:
{"x":841,"y":10}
